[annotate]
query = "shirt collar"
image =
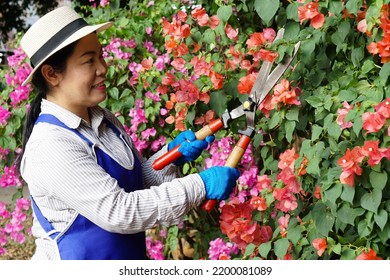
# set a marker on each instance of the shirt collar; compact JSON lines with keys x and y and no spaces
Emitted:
{"x":70,"y":119}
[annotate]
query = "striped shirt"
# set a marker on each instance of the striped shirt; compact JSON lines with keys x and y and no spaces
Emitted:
{"x":65,"y":180}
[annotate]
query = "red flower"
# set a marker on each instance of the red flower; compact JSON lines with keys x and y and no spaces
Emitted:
{"x":236,"y":222}
{"x":258,"y":203}
{"x":373,"y":152}
{"x":370,"y":255}
{"x":350,"y":165}
{"x":320,"y":245}
{"x":255,"y":40}
{"x":383,"y":108}
{"x":310,"y":12}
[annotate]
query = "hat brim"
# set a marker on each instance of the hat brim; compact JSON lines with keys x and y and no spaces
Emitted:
{"x":73,"y":38}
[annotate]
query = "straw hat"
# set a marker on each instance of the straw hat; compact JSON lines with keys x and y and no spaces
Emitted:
{"x":54,"y":31}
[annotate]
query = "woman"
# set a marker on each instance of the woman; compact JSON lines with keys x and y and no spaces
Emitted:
{"x":93,"y":196}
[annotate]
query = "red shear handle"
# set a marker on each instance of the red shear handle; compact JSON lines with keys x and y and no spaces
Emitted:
{"x":232,"y":161}
{"x":174,"y":154}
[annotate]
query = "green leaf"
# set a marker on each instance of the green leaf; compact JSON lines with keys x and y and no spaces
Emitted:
{"x":364,"y":228}
{"x":209,"y":36}
{"x":292,"y":13}
{"x":323,"y":219}
{"x":289,"y":127}
{"x":264,"y":249}
{"x":348,"y":194}
{"x":266,"y":9}
{"x":353,"y":6}
{"x":294,"y":234}
{"x":339,"y":36}
{"x":291,"y":31}
{"x":384,"y":73}
{"x":316,"y":132}
{"x":381,"y":218}
{"x":371,"y":200}
{"x":378,"y":180}
{"x":357,"y":56}
{"x":293,"y":114}
{"x":347,"y":95}
{"x":218,"y":101}
{"x":347,"y":215}
{"x":224,"y":13}
{"x":368,"y":65}
{"x":250,"y":248}
{"x":348,"y":254}
{"x":275,"y":119}
{"x":333,"y":193}
{"x":280,"y":247}
{"x":335,"y":7}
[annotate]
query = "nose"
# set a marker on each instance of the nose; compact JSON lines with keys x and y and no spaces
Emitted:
{"x":101,"y":69}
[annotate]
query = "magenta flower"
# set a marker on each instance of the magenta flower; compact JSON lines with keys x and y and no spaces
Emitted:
{"x":155,"y":249}
{"x":220,"y":250}
{"x":4,"y":115}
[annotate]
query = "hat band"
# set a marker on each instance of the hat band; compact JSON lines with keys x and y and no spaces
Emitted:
{"x":56,"y":40}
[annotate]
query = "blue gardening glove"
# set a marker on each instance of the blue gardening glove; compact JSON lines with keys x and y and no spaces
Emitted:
{"x":190,"y":147}
{"x":219,"y":181}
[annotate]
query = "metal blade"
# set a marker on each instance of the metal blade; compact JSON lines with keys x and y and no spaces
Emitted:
{"x":264,"y":71}
{"x":275,"y":75}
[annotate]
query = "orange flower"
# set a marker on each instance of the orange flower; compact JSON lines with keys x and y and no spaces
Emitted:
{"x":246,"y":83}
{"x":310,"y":12}
{"x":370,"y":255}
{"x":320,"y":245}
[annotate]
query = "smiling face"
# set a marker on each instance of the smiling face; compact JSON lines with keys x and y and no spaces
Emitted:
{"x":81,"y":85}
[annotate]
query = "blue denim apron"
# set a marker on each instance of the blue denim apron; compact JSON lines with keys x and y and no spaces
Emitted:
{"x":84,"y":239}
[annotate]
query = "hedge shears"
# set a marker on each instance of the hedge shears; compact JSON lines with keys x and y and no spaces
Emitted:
{"x":262,"y":86}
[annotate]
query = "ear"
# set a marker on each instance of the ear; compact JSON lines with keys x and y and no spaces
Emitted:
{"x":51,"y":76}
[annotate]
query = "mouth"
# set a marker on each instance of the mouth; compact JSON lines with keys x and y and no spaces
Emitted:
{"x":99,"y":85}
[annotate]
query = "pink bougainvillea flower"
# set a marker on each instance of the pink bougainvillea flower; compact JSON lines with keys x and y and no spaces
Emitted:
{"x":320,"y":245}
{"x":383,"y":108}
{"x":230,"y":32}
{"x":362,"y":26}
{"x":373,"y":122}
{"x":214,"y":22}
{"x":287,"y":159}
{"x":4,"y":115}
{"x":285,"y":94}
{"x":200,"y":15}
{"x":342,"y":113}
{"x":264,"y":182}
{"x":369,"y":255}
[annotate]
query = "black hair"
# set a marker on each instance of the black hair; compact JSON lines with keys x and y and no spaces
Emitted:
{"x":58,"y":62}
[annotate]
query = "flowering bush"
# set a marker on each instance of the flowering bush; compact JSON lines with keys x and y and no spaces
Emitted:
{"x":314,"y":183}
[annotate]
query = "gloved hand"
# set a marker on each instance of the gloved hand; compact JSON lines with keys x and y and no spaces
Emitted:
{"x":190,"y":147}
{"x":219,"y":181}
